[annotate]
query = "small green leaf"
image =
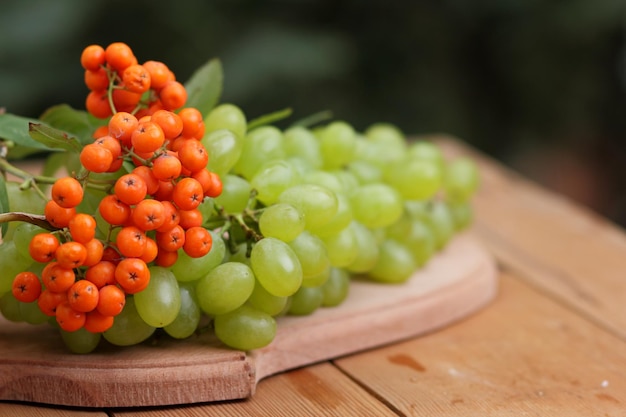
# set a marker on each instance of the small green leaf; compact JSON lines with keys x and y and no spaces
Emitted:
{"x":204,"y":88}
{"x":53,"y":138}
{"x":15,"y":129}
{"x":4,"y":204}
{"x":269,"y":118}
{"x":78,"y":123}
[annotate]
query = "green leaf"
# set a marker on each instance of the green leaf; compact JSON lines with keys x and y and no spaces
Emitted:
{"x":53,"y":137}
{"x":78,"y":123}
{"x":204,"y":88}
{"x":4,"y":204}
{"x":15,"y":129}
{"x":269,"y":118}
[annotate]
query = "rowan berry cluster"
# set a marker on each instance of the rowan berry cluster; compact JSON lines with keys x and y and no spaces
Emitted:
{"x":151,"y":209}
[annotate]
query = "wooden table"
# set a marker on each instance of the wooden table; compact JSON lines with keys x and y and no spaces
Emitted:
{"x":552,"y":343}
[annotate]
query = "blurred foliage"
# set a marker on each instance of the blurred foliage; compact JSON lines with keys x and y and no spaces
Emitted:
{"x":505,"y":75}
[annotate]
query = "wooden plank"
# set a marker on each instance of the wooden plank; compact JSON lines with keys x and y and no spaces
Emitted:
{"x":524,"y":355}
{"x":26,"y":410}
{"x":34,"y":365}
{"x":318,"y":390}
{"x":554,"y":244}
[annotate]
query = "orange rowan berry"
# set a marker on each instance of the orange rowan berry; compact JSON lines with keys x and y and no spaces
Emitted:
{"x":132,"y":274}
{"x":95,"y":250}
{"x":69,"y":319}
{"x":71,"y":255}
{"x":101,"y":274}
{"x":148,"y":215}
{"x":100,"y":131}
{"x":170,"y":240}
{"x":56,"y":278}
{"x":160,"y":74}
{"x":49,"y":300}
{"x":131,"y":241}
{"x":190,"y":218}
{"x":83,"y":296}
{"x":82,"y":227}
{"x":198,"y":242}
{"x":119,"y":56}
{"x":110,"y":143}
{"x":166,"y":167}
{"x":58,"y":216}
{"x":96,"y":80}
{"x":122,"y":125}
{"x":164,"y":193}
{"x":152,"y":183}
{"x":113,"y":210}
{"x":130,"y":189}
{"x":171,"y":215}
{"x":26,"y":287}
{"x":166,"y":259}
{"x":42,"y":247}
{"x":173,"y":95}
{"x":110,"y":254}
{"x":96,"y":158}
{"x":125,"y":100}
{"x":92,"y":57}
{"x":96,"y":322}
{"x":170,"y":123}
{"x":193,"y":155}
{"x":136,"y":78}
{"x":147,"y":137}
{"x":112,"y":300}
{"x":187,"y":194}
{"x":97,"y":103}
{"x":67,"y":192}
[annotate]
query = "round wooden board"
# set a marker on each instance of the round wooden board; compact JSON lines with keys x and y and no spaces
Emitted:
{"x":36,"y":367}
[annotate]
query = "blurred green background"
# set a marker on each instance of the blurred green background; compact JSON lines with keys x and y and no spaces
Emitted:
{"x":539,"y":85}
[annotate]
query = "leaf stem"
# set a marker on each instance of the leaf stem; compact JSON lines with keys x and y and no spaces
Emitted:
{"x":36,"y":219}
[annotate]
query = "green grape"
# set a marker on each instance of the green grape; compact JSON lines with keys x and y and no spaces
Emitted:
{"x":188,"y":317}
{"x":376,"y":205}
{"x":282,"y":221}
{"x":27,"y":201}
{"x":276,"y":266}
{"x":272,"y":179}
{"x":81,"y":341}
{"x":266,"y":302}
{"x":128,"y":328}
{"x":386,"y":134}
{"x":225,"y":288}
{"x":159,"y":303}
{"x":317,"y":204}
{"x":245,"y":328}
{"x":342,"y":247}
{"x":365,"y":172}
{"x":317,"y":279}
{"x":461,"y":179}
{"x":239,"y":254}
{"x":226,"y":116}
{"x":462,"y":214}
{"x":335,"y":290}
{"x":32,"y":314}
{"x":311,"y":252}
{"x":395,"y":263}
{"x":387,"y":145}
{"x":337,"y":144}
{"x":12,"y":264}
{"x":324,"y":179}
{"x":261,"y":145}
{"x":235,"y":194}
{"x":10,"y":307}
{"x":439,"y":219}
{"x":368,"y":252}
{"x":305,"y":301}
{"x":340,"y":220}
{"x":224,"y":148}
{"x":302,"y":143}
{"x":24,"y":232}
{"x":347,"y":180}
{"x":415,"y":235}
{"x":426,"y":150}
{"x":415,"y":179}
{"x":188,"y":269}
{"x":207,"y":208}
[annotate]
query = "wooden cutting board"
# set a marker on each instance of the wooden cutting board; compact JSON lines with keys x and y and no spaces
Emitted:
{"x":36,"y":367}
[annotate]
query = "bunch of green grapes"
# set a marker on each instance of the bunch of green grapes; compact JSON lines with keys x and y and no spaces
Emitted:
{"x":302,"y":211}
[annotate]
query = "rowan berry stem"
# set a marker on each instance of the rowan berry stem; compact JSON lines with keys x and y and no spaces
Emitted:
{"x":36,"y":219}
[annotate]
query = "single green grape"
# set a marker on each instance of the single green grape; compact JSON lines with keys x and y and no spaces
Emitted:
{"x":272,"y":179}
{"x":81,"y":341}
{"x":10,"y":307}
{"x":428,"y":151}
{"x":368,"y":251}
{"x":268,"y":303}
{"x":339,"y":221}
{"x":245,"y":328}
{"x":235,"y":194}
{"x":159,"y":303}
{"x":376,"y":205}
{"x":260,"y":146}
{"x":317,"y":279}
{"x":337,"y":144}
{"x":342,"y":247}
{"x":128,"y":328}
{"x":282,"y":221}
{"x":462,"y":214}
{"x":276,"y":266}
{"x":32,"y":314}
{"x":365,"y":172}
{"x":311,"y":252}
{"x":301,"y":142}
{"x":461,"y":179}
{"x":224,"y":147}
{"x":439,"y":219}
{"x":395,"y":263}
{"x":188,"y":318}
{"x":336,"y":288}
{"x":226,"y":116}
{"x":415,"y":235}
{"x":317,"y":204}
{"x":415,"y":179}
{"x":305,"y":301}
{"x":225,"y":288}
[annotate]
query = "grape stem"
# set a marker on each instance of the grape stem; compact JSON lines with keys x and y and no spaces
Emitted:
{"x":36,"y":219}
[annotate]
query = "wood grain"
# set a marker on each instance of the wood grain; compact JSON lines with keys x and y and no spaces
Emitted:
{"x":524,"y":355}
{"x":35,"y":367}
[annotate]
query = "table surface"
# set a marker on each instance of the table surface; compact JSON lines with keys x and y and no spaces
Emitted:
{"x":553,"y":342}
